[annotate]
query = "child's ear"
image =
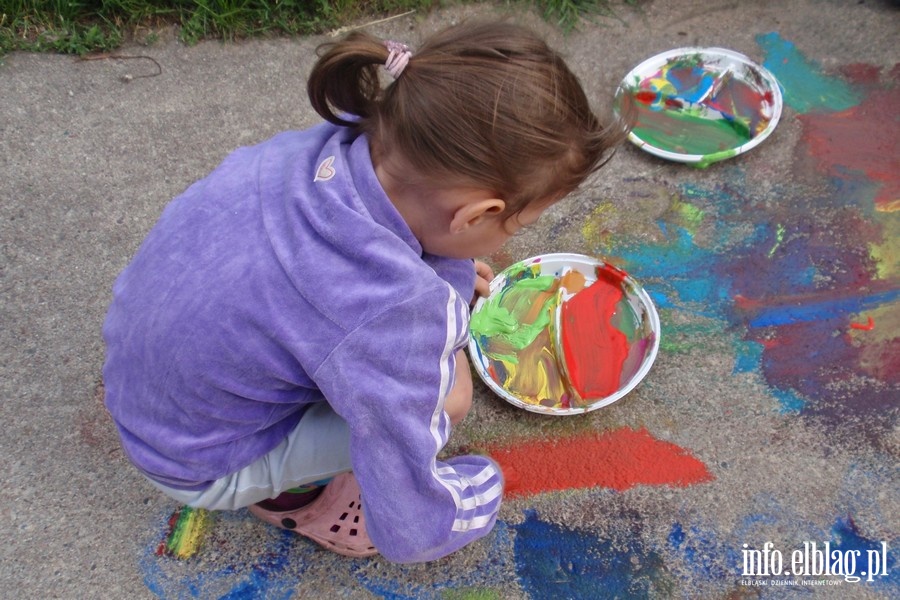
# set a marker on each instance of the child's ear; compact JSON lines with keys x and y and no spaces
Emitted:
{"x":471,"y":213}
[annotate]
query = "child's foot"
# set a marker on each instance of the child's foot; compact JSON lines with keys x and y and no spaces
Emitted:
{"x":334,"y":519}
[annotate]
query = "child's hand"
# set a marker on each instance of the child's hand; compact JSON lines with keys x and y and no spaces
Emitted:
{"x":483,"y":277}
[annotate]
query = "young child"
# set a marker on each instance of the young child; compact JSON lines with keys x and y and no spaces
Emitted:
{"x":290,"y":335}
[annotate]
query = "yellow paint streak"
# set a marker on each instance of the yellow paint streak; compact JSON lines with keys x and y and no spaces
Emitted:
{"x":539,"y":382}
{"x":685,"y":214}
{"x":887,"y":253}
{"x":892,"y":206}
{"x":187,"y":535}
{"x":595,"y":231}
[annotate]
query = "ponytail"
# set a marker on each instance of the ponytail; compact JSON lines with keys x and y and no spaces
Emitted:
{"x":345,"y":78}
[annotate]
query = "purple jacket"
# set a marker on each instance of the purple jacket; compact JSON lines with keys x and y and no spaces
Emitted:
{"x":285,"y":277}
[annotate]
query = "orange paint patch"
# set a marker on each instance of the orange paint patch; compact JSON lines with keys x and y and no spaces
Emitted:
{"x":619,"y":459}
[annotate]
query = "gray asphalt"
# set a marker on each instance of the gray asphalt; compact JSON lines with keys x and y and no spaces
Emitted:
{"x":92,"y":150}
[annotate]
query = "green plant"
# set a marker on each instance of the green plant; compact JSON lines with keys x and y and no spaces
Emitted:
{"x":568,"y":13}
{"x":83,"y":26}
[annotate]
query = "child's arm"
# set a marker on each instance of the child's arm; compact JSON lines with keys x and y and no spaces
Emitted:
{"x":394,"y":380}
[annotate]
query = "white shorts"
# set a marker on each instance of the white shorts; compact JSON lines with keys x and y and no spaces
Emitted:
{"x":317,"y":448}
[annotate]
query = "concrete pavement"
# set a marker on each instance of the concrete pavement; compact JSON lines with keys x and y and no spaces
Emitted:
{"x":772,"y":405}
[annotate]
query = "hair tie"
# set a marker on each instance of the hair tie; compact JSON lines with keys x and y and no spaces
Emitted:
{"x":398,"y":57}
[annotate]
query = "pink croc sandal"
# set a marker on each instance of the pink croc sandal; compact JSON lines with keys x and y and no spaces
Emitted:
{"x":334,"y":520}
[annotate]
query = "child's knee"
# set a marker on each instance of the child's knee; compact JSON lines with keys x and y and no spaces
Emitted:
{"x":459,"y":400}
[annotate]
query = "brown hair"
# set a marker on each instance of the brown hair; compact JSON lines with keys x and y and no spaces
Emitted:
{"x":487,"y":105}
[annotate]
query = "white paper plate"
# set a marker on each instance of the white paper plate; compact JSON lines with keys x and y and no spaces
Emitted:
{"x":701,"y":105}
{"x":514,"y":381}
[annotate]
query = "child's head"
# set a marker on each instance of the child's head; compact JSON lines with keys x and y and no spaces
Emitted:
{"x":487,"y":106}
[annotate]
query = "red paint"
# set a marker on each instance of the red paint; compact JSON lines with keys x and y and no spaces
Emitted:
{"x":593,"y":348}
{"x":163,"y":548}
{"x":741,"y":98}
{"x":863,"y":139}
{"x":619,"y":459}
{"x":610,"y":274}
{"x":861,"y":73}
{"x":868,"y":326}
{"x":646,"y":97}
{"x":744,"y":303}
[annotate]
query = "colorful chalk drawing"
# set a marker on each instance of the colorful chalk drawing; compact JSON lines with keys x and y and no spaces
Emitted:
{"x":186,"y":529}
{"x":621,"y":460}
{"x":563,"y":334}
{"x":700,"y":105}
{"x":800,"y":284}
{"x":838,"y":114}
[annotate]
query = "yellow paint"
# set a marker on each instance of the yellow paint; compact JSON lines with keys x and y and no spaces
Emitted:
{"x":886,"y":254}
{"x":595,"y":232}
{"x":685,"y":214}
{"x":535,"y":379}
{"x":187,"y":534}
{"x":892,"y":206}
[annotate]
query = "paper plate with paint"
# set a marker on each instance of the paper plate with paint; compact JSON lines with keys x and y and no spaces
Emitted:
{"x":701,"y":105}
{"x":563,"y":334}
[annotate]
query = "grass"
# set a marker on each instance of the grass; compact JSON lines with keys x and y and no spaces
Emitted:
{"x":85,"y":26}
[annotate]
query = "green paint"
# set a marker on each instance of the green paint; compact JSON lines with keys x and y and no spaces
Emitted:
{"x":713,"y":158}
{"x":805,"y":87}
{"x":492,"y":320}
{"x":690,"y":213}
{"x":687,"y":132}
{"x":779,"y":237}
{"x":627,"y":321}
{"x":685,"y":214}
{"x":501,"y":316}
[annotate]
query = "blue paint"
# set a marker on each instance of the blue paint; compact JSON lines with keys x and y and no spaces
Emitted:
{"x":748,"y":356}
{"x":699,"y":553}
{"x":785,"y":278}
{"x":676,"y":536}
{"x":275,"y":573}
{"x":790,"y":401}
{"x":800,"y":311}
{"x":846,"y":537}
{"x":804,"y":85}
{"x":267,"y":578}
{"x":675,"y":273}
{"x":394,"y":581}
{"x":556,"y":562}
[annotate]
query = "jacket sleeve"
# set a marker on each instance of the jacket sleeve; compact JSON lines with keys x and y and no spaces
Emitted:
{"x":388,"y":380}
{"x":457,"y":272}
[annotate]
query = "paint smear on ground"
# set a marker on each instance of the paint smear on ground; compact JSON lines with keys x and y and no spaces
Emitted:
{"x":187,"y":527}
{"x":874,"y":561}
{"x":555,"y":562}
{"x":805,"y":87}
{"x":619,"y":459}
{"x":789,"y":279}
{"x":861,"y":139}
